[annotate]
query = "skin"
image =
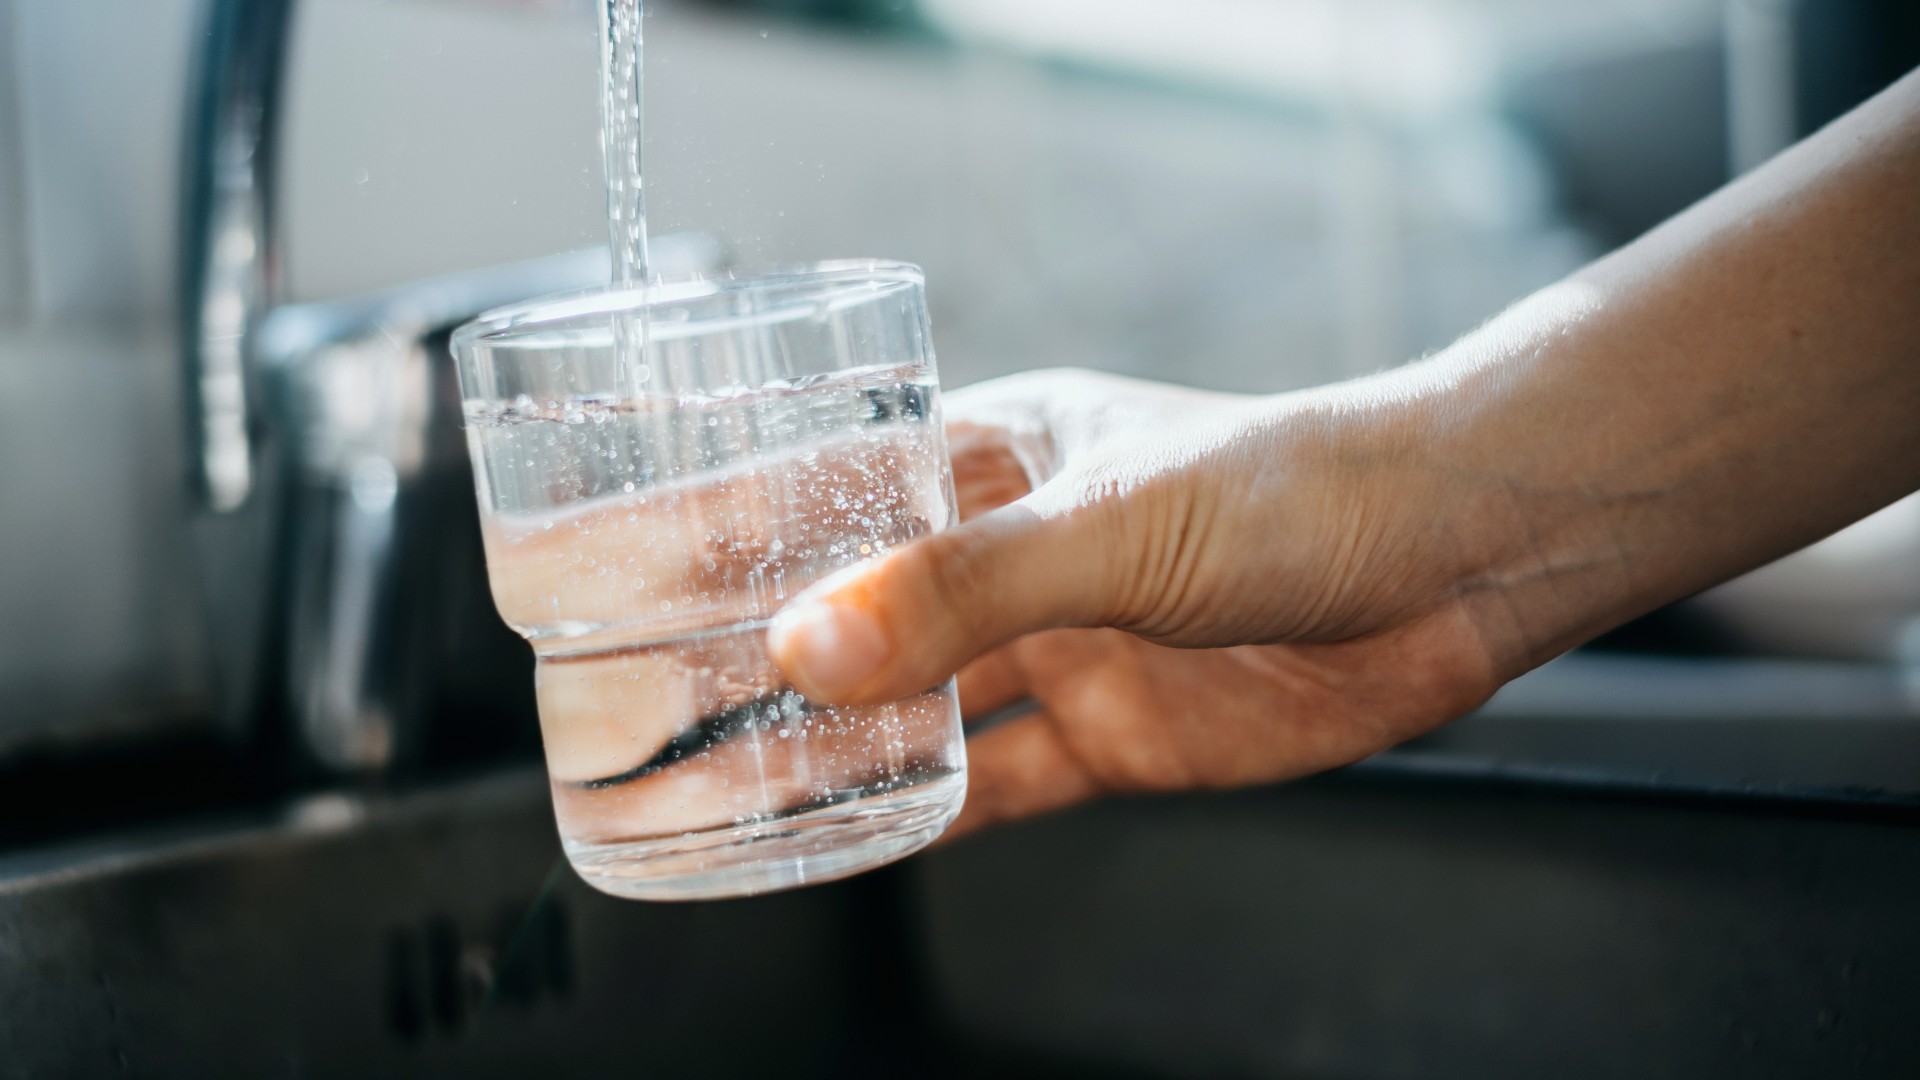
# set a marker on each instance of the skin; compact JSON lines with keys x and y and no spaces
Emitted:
{"x":1206,"y":591}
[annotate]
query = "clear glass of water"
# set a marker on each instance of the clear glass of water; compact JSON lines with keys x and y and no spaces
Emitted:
{"x":659,"y":470}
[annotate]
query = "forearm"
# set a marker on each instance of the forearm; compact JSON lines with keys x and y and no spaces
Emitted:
{"x":1733,"y":386}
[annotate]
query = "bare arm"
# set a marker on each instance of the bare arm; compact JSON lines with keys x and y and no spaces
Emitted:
{"x":1738,"y":383}
{"x":1340,"y":569}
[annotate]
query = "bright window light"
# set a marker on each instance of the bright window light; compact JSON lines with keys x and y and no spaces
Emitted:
{"x":1396,"y":56}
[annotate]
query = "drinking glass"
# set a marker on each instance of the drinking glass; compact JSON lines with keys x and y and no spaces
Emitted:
{"x":659,"y":470}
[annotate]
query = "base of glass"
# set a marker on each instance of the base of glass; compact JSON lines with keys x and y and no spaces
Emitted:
{"x":807,"y":848}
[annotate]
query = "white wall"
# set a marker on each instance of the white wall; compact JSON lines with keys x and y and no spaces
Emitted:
{"x":425,"y":138}
{"x":100,"y":615}
{"x":1064,"y":219}
{"x":102,"y":98}
{"x":474,"y":124}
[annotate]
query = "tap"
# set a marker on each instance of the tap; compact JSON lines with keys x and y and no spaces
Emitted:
{"x":378,"y":531}
{"x":228,"y":278}
{"x":230,"y":246}
{"x":341,"y":555}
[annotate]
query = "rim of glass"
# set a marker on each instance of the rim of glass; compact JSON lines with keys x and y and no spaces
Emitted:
{"x":539,"y":313}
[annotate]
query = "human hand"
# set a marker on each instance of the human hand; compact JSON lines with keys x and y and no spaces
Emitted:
{"x":1196,"y":590}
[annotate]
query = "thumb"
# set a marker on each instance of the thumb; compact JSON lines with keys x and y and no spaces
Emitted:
{"x":902,"y":623}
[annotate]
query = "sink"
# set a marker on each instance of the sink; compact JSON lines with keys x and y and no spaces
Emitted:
{"x":432,"y":933}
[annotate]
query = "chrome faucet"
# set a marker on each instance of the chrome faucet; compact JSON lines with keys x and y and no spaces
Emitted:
{"x":326,"y":454}
{"x":229,"y":277}
{"x":232,"y":260}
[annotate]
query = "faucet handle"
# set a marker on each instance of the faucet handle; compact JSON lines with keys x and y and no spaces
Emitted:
{"x":361,"y":389}
{"x":353,"y":388}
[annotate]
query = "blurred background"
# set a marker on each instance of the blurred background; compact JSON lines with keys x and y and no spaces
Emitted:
{"x":269,"y":786}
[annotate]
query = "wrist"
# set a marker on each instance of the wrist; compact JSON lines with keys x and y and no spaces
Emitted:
{"x":1493,"y":487}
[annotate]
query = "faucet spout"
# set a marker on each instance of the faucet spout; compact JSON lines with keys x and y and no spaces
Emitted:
{"x":231,"y":272}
